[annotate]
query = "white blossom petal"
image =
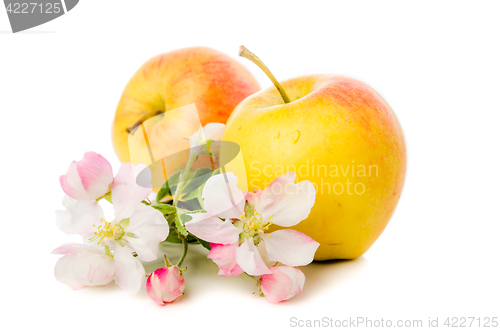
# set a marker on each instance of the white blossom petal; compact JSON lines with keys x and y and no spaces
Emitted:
{"x":249,"y":259}
{"x":286,"y":203}
{"x":221,"y":196}
{"x":79,"y":216}
{"x":126,"y":193}
{"x":76,"y":248}
{"x":64,"y":272}
{"x":147,"y":228}
{"x":145,"y":216}
{"x":213,"y":229}
{"x":211,"y":131}
{"x":83,"y":266}
{"x":290,"y":247}
{"x":129,"y":272}
{"x":214,"y":131}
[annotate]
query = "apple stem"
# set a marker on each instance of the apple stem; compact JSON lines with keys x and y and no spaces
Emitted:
{"x":143,"y":119}
{"x":244,"y":52}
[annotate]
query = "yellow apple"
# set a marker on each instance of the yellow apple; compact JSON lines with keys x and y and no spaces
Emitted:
{"x":341,"y":135}
{"x":211,"y":80}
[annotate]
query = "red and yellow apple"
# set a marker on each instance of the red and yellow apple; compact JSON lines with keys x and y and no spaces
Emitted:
{"x":341,"y":135}
{"x":211,"y":80}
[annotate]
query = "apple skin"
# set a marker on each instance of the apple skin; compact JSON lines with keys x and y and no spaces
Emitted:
{"x":213,"y":81}
{"x":331,"y":122}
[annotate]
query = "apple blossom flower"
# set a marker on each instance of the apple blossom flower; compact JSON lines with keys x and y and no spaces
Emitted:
{"x":210,"y":132}
{"x":165,"y":285}
{"x":242,"y":243}
{"x":88,"y":179}
{"x":90,"y":265}
{"x":135,"y":225}
{"x":282,"y":283}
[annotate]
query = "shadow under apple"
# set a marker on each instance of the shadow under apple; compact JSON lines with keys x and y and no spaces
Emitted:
{"x":327,"y":275}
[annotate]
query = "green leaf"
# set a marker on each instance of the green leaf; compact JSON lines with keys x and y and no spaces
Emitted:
{"x":179,"y":224}
{"x":185,"y":217}
{"x":198,"y":178}
{"x":163,"y":192}
{"x":197,"y":192}
{"x":204,"y":243}
{"x":192,"y":239}
{"x":194,"y":194}
{"x":165,"y":208}
{"x":168,"y":188}
{"x":192,"y":204}
{"x":173,"y":237}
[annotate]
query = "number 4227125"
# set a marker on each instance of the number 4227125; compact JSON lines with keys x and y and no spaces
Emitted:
{"x":27,"y":8}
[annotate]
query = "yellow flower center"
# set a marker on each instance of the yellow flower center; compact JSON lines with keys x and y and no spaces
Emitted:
{"x":253,"y":225}
{"x":108,"y":231}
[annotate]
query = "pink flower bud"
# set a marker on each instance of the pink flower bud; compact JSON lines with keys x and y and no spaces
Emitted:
{"x":282,"y":284}
{"x":165,"y":285}
{"x":88,"y":179}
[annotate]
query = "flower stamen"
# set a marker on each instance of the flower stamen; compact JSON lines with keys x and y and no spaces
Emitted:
{"x":253,"y":226}
{"x":108,"y":230}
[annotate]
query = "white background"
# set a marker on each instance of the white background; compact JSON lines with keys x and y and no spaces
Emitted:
{"x":436,"y":63}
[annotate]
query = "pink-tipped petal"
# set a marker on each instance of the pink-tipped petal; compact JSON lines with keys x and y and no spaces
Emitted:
{"x":95,"y":173}
{"x":286,"y":203}
{"x":284,"y":283}
{"x":249,"y":259}
{"x":153,"y":293}
{"x":253,"y":198}
{"x":129,"y":272}
{"x":225,"y":258}
{"x":87,"y":179}
{"x":165,"y":285}
{"x":72,"y":184}
{"x":126,"y":193}
{"x":213,"y":229}
{"x":222,"y":198}
{"x":290,"y":247}
{"x":79,"y":216}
